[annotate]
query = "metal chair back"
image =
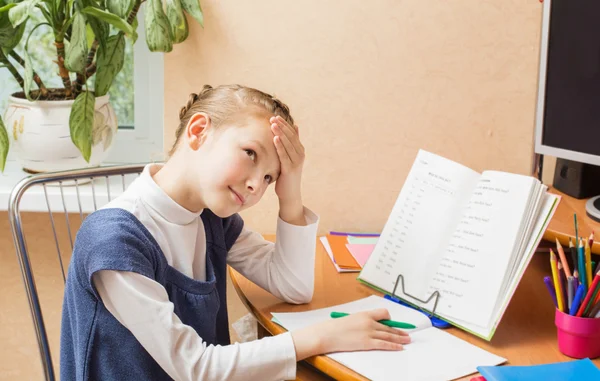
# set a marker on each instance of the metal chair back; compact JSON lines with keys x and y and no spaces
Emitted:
{"x":87,"y":186}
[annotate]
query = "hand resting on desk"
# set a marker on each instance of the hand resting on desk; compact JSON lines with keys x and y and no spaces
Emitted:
{"x":356,"y":332}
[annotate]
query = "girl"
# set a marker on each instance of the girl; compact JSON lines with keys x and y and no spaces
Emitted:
{"x":145,"y":294}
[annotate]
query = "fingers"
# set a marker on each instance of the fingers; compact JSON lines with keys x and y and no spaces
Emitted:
{"x":278,"y":124}
{"x":384,"y":328}
{"x":284,"y":157}
{"x":379,"y":314}
{"x":383,"y":345}
{"x":392,"y":337}
{"x":289,"y":147}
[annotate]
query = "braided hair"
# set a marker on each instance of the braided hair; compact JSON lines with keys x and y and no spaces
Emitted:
{"x":223,"y":103}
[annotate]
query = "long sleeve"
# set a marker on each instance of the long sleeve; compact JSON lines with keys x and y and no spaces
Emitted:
{"x":284,"y":268}
{"x":143,"y":307}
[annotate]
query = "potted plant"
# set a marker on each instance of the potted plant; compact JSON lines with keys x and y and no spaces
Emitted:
{"x":73,"y":126}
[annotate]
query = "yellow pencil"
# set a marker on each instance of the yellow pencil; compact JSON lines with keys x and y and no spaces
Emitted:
{"x":588,"y":263}
{"x":563,"y":259}
{"x":557,"y":286}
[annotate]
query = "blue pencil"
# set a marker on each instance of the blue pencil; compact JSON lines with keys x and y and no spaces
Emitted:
{"x":577,"y":300}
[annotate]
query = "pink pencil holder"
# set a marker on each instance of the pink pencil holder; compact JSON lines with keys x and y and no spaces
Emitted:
{"x":578,"y":337}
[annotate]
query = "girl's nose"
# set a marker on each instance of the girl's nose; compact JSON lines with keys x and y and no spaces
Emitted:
{"x":253,"y":185}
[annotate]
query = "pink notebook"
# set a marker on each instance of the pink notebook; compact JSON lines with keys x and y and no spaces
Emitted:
{"x":360,"y":252}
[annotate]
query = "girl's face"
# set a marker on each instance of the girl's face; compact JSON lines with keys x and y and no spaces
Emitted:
{"x":236,"y":164}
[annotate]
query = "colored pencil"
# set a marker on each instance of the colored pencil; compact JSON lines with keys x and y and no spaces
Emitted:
{"x":573,"y":256}
{"x":576,"y":229}
{"x":570,"y":291}
{"x":595,"y":310}
{"x":563,"y":259}
{"x":588,"y":263}
{"x":577,"y":300}
{"x":591,"y":295}
{"x":557,"y":286}
{"x":563,"y":284}
{"x":581,"y":262}
{"x":551,"y":289}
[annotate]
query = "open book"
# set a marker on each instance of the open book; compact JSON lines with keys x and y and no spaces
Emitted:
{"x":431,"y":355}
{"x":467,"y":235}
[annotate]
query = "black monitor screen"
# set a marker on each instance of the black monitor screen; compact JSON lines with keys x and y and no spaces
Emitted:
{"x":572,"y":96}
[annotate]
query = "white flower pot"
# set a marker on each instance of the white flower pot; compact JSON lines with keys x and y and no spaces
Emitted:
{"x":39,"y":134}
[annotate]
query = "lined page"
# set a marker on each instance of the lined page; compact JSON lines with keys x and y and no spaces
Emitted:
{"x":473,"y":267}
{"x":420,"y":224}
{"x":549,"y":204}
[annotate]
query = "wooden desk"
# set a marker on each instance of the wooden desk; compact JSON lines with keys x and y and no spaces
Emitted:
{"x":562,"y":225}
{"x":525,"y":336}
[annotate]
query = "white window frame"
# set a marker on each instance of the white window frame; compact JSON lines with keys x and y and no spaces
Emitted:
{"x":144,"y":143}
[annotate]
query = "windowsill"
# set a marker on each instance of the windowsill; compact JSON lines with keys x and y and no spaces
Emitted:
{"x":34,"y":200}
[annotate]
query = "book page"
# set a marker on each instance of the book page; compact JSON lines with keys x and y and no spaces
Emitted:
{"x":420,"y":224}
{"x":471,"y":273}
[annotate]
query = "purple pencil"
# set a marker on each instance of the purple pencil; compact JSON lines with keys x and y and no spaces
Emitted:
{"x":550,"y":287}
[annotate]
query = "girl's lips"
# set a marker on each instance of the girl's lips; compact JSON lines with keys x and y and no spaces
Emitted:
{"x":238,"y":197}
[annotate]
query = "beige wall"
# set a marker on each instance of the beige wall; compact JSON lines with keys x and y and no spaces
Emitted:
{"x":371,"y":82}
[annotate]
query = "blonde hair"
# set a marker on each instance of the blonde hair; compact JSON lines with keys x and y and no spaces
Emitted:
{"x":225,"y":102}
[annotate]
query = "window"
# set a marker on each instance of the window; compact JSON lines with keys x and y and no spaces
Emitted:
{"x":136,"y":94}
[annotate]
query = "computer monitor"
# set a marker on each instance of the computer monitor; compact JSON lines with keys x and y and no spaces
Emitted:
{"x":568,"y":106}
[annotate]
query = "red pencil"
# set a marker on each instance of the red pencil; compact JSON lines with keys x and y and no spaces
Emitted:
{"x":591,"y":293}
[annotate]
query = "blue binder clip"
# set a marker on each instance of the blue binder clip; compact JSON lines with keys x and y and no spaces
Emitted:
{"x":435,"y":321}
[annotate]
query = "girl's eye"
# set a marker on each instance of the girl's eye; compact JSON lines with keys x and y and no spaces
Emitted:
{"x":268,"y":179}
{"x":251,"y":154}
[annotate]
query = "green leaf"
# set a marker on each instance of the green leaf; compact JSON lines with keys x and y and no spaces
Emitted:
{"x":27,"y":75}
{"x":179,"y":26}
{"x":158,"y":30}
{"x":89,"y":35}
{"x":76,"y":52}
{"x":21,"y":12}
{"x":9,"y":35}
{"x":193,"y":8}
{"x":110,"y":62}
{"x":4,"y":145}
{"x":120,"y":8}
{"x":100,"y":28}
{"x":81,"y":123}
{"x":7,"y":7}
{"x":113,"y":20}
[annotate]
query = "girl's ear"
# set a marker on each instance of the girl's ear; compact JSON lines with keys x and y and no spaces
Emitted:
{"x":196,"y":130}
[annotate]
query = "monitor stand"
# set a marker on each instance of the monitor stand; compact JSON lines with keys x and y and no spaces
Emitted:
{"x":592,"y":208}
{"x":576,"y":179}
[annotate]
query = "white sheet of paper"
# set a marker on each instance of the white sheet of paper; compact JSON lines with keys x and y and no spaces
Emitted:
{"x":432,"y":354}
